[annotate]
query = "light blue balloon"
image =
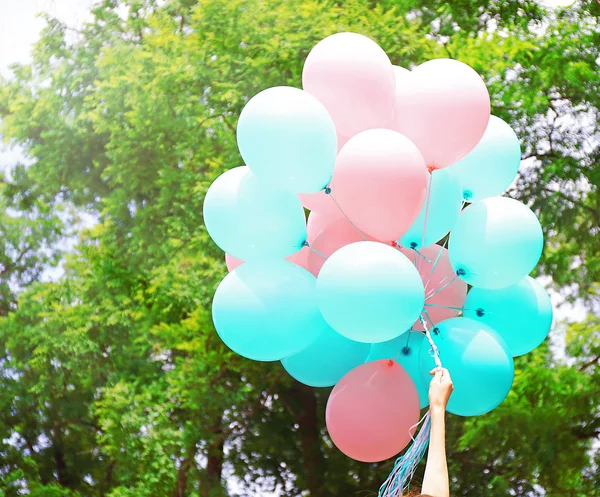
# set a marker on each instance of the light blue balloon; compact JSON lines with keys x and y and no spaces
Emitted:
{"x":520,"y":313}
{"x":445,"y":203}
{"x":251,"y":221}
{"x":325,"y":361}
{"x":287,"y":137}
{"x":370,"y":292}
{"x":405,"y":350}
{"x":478,"y":360}
{"x":490,"y":168}
{"x":267,"y":310}
{"x":495,"y":243}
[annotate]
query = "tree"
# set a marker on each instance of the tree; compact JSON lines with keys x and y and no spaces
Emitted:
{"x":115,"y":383}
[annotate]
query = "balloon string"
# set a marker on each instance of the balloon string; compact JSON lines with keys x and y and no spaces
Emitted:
{"x":448,"y":307}
{"x":442,"y":287}
{"x":434,"y":349}
{"x":437,"y":258}
{"x":422,"y":256}
{"x":318,"y":253}
{"x":328,"y":192}
{"x":426,"y":215}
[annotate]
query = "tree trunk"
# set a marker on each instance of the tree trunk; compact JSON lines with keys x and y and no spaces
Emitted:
{"x":303,"y":403}
{"x":211,"y":484}
{"x":184,"y":468}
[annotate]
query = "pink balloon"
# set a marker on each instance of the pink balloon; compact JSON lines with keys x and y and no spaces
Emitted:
{"x":401,"y":74}
{"x":332,"y":237}
{"x":318,"y":202}
{"x":353,"y":78}
{"x":380,"y":182}
{"x":371,"y":410}
{"x":444,"y":108}
{"x":453,"y":295}
{"x":317,"y":220}
{"x":299,"y":258}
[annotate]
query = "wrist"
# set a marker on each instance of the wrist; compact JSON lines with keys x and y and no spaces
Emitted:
{"x":437,"y":410}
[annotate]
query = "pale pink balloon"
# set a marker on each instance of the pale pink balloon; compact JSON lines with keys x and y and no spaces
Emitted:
{"x":444,"y":108}
{"x":372,"y":410}
{"x":452,"y":295}
{"x":400,"y":74}
{"x":332,"y":237}
{"x":299,"y":258}
{"x":318,"y":202}
{"x":353,"y":78}
{"x":317,"y":220}
{"x":380,"y":182}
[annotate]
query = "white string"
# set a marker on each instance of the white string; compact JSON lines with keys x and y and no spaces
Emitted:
{"x":436,"y":352}
{"x":328,"y":192}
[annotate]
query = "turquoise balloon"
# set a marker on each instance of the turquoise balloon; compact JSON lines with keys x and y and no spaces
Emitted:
{"x":477,"y":358}
{"x":288,"y":139}
{"x":495,"y":243}
{"x":490,"y":168}
{"x":405,"y":350}
{"x":267,"y":310}
{"x":250,"y":221}
{"x":370,"y":292}
{"x":520,"y":313}
{"x":325,"y":361}
{"x":445,"y":203}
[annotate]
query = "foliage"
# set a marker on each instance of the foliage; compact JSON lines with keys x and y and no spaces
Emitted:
{"x":114,"y":381}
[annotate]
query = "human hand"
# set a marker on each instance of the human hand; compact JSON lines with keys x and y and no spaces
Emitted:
{"x":440,"y":388}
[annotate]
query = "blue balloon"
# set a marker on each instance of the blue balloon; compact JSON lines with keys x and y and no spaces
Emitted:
{"x":482,"y":369}
{"x":405,"y":350}
{"x":445,"y":203}
{"x":287,"y":137}
{"x":325,"y":361}
{"x":251,"y":221}
{"x":490,"y":168}
{"x":370,"y":292}
{"x":477,"y":358}
{"x":495,"y":243}
{"x":520,"y":313}
{"x":267,"y":310}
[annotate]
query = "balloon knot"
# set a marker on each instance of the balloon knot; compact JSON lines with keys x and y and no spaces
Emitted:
{"x":436,"y":331}
{"x":480,"y":312}
{"x":460,"y":272}
{"x":406,"y":350}
{"x":430,"y":169}
{"x":327,"y":190}
{"x":467,"y":195}
{"x":394,"y":244}
{"x":305,"y":244}
{"x":413,"y":245}
{"x":390,"y":362}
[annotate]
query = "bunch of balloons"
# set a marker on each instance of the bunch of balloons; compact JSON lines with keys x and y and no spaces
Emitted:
{"x":385,"y":159}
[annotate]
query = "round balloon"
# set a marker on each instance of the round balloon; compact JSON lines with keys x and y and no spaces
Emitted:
{"x":325,"y":361}
{"x":444,"y":108}
{"x":332,"y":237}
{"x":250,"y":221}
{"x":520,"y":313}
{"x":441,"y":207}
{"x":400,"y":75}
{"x":353,"y":77}
{"x":369,"y":292}
{"x":372,"y":412}
{"x":319,"y":202}
{"x":267,"y":310}
{"x":287,"y":138}
{"x":495,"y":242}
{"x":299,"y":258}
{"x":490,"y":168}
{"x":482,"y":369}
{"x":380,"y":183}
{"x":445,"y":295}
{"x":405,"y":350}
{"x":318,"y":220}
